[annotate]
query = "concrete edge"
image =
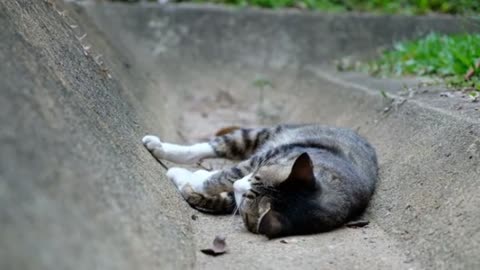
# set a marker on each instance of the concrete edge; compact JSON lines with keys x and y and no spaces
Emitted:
{"x":275,"y":39}
{"x":391,"y":87}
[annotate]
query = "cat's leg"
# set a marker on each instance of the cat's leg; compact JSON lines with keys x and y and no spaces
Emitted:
{"x":209,"y":191}
{"x":183,"y":177}
{"x":240,"y":144}
{"x":190,"y":185}
{"x":237,"y":145}
{"x":210,"y":182}
{"x":184,"y":154}
{"x":221,"y":203}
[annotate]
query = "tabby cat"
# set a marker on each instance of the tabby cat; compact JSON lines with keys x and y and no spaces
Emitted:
{"x":293,"y":179}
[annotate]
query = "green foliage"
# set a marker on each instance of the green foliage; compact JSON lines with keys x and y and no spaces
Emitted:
{"x":384,"y":94}
{"x":380,"y":6}
{"x":450,"y":57}
{"x":414,"y":6}
{"x":262,"y":83}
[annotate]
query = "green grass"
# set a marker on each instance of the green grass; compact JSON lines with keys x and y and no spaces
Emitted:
{"x":448,"y":57}
{"x":378,"y":6}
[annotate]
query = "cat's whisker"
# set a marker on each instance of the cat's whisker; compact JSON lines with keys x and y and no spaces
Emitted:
{"x":235,"y":211}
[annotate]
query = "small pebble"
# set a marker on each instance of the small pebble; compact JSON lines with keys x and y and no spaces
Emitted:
{"x":289,"y":241}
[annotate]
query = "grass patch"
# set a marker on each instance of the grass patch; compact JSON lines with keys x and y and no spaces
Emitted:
{"x":377,"y":6}
{"x":456,"y":58}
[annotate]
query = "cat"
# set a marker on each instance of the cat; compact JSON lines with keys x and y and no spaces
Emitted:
{"x":292,"y":179}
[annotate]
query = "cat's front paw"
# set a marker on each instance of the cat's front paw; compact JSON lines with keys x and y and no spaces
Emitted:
{"x":154,"y":145}
{"x":182,"y":177}
{"x":151,"y":142}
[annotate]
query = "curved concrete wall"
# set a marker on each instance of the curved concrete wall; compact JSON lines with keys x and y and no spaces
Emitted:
{"x":77,"y":188}
{"x":261,"y":38}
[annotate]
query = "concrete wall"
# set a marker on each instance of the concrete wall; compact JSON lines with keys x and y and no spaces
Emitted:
{"x":254,"y":37}
{"x":77,"y":188}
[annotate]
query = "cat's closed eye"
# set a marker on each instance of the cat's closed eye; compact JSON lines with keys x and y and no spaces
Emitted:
{"x":250,"y":196}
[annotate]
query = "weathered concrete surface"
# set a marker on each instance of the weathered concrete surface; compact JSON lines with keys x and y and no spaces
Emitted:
{"x":77,"y":189}
{"x":429,"y":169}
{"x":424,"y":214}
{"x":91,"y":197}
{"x":262,"y":38}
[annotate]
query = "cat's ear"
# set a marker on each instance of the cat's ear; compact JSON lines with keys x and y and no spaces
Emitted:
{"x":271,"y":224}
{"x":301,"y":175}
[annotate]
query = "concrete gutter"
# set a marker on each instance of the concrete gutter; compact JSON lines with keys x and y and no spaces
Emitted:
{"x":256,"y":37}
{"x":91,"y":197}
{"x":428,"y":147}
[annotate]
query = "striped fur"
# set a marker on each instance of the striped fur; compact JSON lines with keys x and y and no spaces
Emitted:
{"x":304,"y":178}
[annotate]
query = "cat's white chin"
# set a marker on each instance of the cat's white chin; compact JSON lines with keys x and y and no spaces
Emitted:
{"x":240,"y":187}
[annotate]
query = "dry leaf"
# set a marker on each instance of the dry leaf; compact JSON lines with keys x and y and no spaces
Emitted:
{"x":219,"y":247}
{"x":226,"y":130}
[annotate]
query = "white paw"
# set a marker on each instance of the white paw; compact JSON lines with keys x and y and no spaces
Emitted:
{"x":182,"y":177}
{"x":204,"y":173}
{"x":185,"y":154}
{"x":154,"y":145}
{"x":151,"y":142}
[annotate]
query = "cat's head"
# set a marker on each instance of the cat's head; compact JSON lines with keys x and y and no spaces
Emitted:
{"x":276,"y":199}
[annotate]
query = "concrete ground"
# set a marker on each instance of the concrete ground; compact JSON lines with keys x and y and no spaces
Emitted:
{"x":79,"y":191}
{"x":369,"y":247}
{"x":401,"y":233}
